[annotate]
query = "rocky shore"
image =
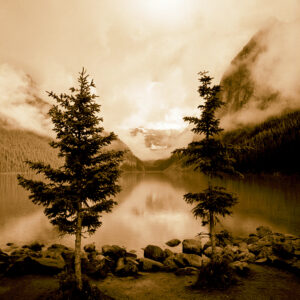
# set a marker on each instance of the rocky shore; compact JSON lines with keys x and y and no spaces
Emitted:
{"x":186,"y":257}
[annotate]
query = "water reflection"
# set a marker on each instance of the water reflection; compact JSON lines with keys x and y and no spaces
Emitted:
{"x":151,"y":210}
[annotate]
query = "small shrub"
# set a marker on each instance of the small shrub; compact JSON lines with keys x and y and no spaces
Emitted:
{"x":216,"y":275}
{"x":69,"y":291}
{"x":223,"y":238}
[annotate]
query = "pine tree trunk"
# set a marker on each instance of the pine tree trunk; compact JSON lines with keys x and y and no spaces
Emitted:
{"x":212,"y":234}
{"x":78,"y":252}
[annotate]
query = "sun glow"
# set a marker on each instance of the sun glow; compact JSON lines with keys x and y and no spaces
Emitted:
{"x":164,"y":11}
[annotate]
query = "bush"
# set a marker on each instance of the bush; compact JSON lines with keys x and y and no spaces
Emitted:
{"x":68,"y":289}
{"x":216,"y":275}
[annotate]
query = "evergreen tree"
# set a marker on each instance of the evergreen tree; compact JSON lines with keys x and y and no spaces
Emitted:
{"x":76,"y":194}
{"x":211,"y":157}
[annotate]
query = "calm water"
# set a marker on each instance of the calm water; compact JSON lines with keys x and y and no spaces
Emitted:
{"x":151,"y":210}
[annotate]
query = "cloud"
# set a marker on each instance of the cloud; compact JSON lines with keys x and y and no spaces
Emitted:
{"x":143,"y":57}
{"x":20,"y":105}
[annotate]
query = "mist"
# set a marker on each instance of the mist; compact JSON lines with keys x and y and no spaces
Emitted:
{"x":144,"y":58}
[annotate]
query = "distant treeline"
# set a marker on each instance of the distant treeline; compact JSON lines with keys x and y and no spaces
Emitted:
{"x":272,"y":146}
{"x":17,"y":146}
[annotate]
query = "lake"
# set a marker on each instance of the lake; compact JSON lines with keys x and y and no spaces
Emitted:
{"x":151,"y":209}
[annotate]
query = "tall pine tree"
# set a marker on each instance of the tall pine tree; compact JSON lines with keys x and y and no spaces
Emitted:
{"x":76,"y":194}
{"x":210,"y":156}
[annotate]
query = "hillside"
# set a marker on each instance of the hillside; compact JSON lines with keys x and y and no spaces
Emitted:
{"x":253,"y":80}
{"x":17,"y":145}
{"x":274,"y":145}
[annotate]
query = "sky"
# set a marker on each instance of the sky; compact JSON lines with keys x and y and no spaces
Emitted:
{"x":143,"y":55}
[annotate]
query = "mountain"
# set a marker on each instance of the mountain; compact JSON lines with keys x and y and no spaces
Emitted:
{"x":262,"y":80}
{"x":259,"y":115}
{"x":18,"y":145}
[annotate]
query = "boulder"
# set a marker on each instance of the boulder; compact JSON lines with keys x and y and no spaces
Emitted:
{"x":265,"y":252}
{"x":246,"y":257}
{"x":97,"y":268}
{"x":154,"y":252}
{"x":255,"y":248}
{"x":168,"y":252}
{"x":192,"y":246}
{"x":4,"y":257}
{"x":228,"y":253}
{"x":150,"y":265}
{"x":218,"y":251}
{"x":58,"y":247}
{"x":126,"y":267}
{"x":242,"y":268}
{"x":284,"y":249}
{"x":243,"y":246}
{"x":186,"y":271}
{"x":114,"y":251}
{"x":173,"y":243}
{"x":28,"y":265}
{"x":261,"y":261}
{"x":263,"y":231}
{"x":170,"y":263}
{"x":131,"y":254}
{"x":35,"y":246}
{"x":89,"y":248}
{"x":190,"y":260}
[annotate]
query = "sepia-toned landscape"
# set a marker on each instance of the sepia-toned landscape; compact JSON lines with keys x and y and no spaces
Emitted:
{"x":149,"y":149}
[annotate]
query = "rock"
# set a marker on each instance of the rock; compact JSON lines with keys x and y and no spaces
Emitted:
{"x":154,"y":252}
{"x":246,"y":257}
{"x":4,"y":257}
{"x":58,"y":247}
{"x":297,"y":253}
{"x":114,"y":251}
{"x":263,"y":231}
{"x":252,"y":239}
{"x":192,"y":260}
{"x":29,"y":265}
{"x":131,"y":254}
{"x":218,"y":251}
{"x":126,"y":267}
{"x":186,"y":271}
{"x":261,"y":260}
{"x":295,"y":267}
{"x":272,"y":259}
{"x":173,"y":243}
{"x":89,"y":248}
{"x":265,"y":252}
{"x":243,"y":246}
{"x":290,"y":237}
{"x":228,"y":253}
{"x":98,"y":268}
{"x":296,"y":244}
{"x":150,"y":265}
{"x":68,"y":257}
{"x":168,"y":252}
{"x":192,"y":246}
{"x":242,"y":268}
{"x":255,"y":248}
{"x":170,"y":263}
{"x":36,"y":246}
{"x":283,"y":249}
{"x":50,"y":266}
